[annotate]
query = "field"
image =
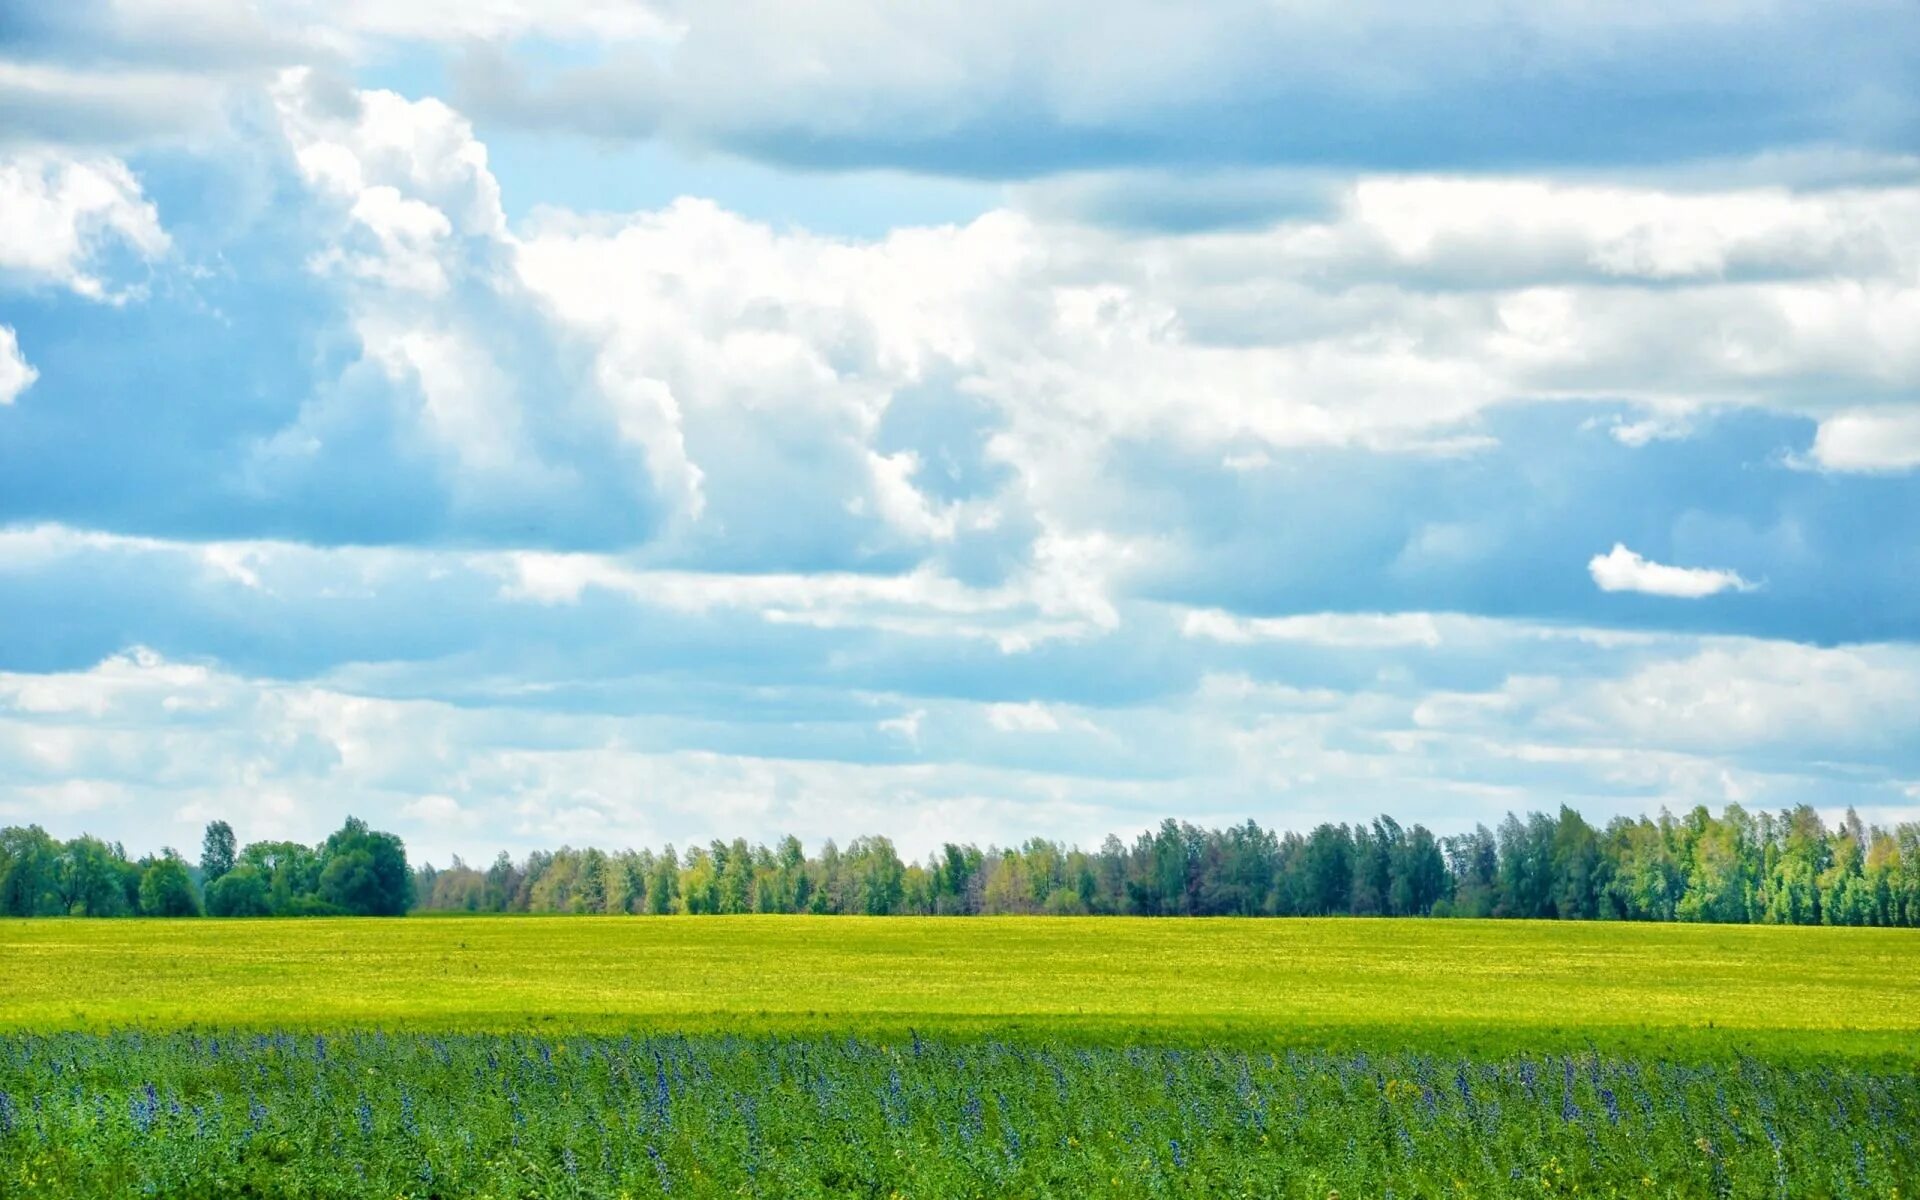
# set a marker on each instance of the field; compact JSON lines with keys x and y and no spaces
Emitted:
{"x":1683,"y":989}
{"x":832,"y":1056}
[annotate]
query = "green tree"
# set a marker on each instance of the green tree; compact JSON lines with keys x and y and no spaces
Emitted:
{"x":241,"y":892}
{"x":1419,"y":874}
{"x":1526,"y":866}
{"x":1578,"y":872}
{"x":1717,"y":884}
{"x":87,"y":878}
{"x":29,"y":859}
{"x":292,"y":872}
{"x":663,"y":884}
{"x":166,"y":890}
{"x":1327,"y":871}
{"x":216,"y":852}
{"x":364,"y":872}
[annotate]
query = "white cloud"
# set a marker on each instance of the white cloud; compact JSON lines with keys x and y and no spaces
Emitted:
{"x":442,"y":813}
{"x":1031,"y":717}
{"x":1768,"y":696}
{"x":1880,"y":440}
{"x":742,"y":377}
{"x":143,"y":743}
{"x":1621,"y":570}
{"x":1322,"y":629}
{"x":16,"y":373}
{"x":1393,"y":321}
{"x":906,"y":725}
{"x":989,"y":87}
{"x":61,"y":214}
{"x":920,"y":603}
{"x":121,"y":105}
{"x":352,"y":22}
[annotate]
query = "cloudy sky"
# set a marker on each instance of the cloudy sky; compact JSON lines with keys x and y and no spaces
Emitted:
{"x":615,"y":422}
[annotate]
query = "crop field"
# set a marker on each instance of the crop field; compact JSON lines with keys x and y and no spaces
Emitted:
{"x":792,"y":1056}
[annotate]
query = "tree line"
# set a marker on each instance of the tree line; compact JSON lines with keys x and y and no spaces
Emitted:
{"x":1777,"y":868}
{"x":1739,"y":867}
{"x":357,"y":871}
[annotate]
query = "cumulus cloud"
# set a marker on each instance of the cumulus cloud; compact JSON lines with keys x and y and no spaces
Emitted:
{"x":1621,"y":570}
{"x":16,"y":373}
{"x":1209,"y":475}
{"x":728,"y":391}
{"x":1874,"y":441}
{"x":63,"y":215}
{"x":150,"y":746}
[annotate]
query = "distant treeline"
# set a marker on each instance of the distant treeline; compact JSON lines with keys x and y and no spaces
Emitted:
{"x":1786,"y":868}
{"x":356,"y":872}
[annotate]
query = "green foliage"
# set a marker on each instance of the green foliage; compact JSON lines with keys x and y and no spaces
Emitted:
{"x":364,"y":873}
{"x":91,"y":879}
{"x":241,"y":892}
{"x":216,"y":852}
{"x":28,"y":862}
{"x":358,"y":872}
{"x":1784,"y":868}
{"x":413,"y":1115}
{"x":166,"y":890}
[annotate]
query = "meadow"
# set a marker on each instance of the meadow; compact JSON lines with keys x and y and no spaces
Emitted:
{"x":1491,"y":985}
{"x":791,"y":1056}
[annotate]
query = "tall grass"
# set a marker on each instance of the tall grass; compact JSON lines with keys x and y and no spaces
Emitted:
{"x":420,"y":1115}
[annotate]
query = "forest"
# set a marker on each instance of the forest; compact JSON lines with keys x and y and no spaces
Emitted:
{"x":1785,"y":868}
{"x":1778,"y":868}
{"x":357,"y":871}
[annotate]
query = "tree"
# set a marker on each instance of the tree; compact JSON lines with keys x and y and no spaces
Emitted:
{"x":166,"y":890}
{"x":87,"y":878}
{"x":663,"y":885}
{"x":1419,"y":874}
{"x":292,"y":872}
{"x":28,"y":860}
{"x":1717,"y":887}
{"x":216,"y":852}
{"x":241,"y":892}
{"x":1328,"y":871}
{"x":364,"y":872}
{"x":1526,"y":866}
{"x":1474,"y":862}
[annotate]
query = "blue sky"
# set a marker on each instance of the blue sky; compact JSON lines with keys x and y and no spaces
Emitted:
{"x":619,"y":423}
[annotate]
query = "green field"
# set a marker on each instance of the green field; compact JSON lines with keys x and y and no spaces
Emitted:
{"x":896,"y":1057}
{"x":1685,"y":990}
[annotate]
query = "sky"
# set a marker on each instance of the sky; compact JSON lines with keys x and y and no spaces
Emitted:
{"x":605,"y":422}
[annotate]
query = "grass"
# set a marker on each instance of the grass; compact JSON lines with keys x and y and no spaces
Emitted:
{"x":488,"y":1115}
{"x":896,"y":1057}
{"x":1671,"y":991}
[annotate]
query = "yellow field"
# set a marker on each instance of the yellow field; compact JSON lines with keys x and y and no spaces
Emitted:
{"x":1456,"y":983}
